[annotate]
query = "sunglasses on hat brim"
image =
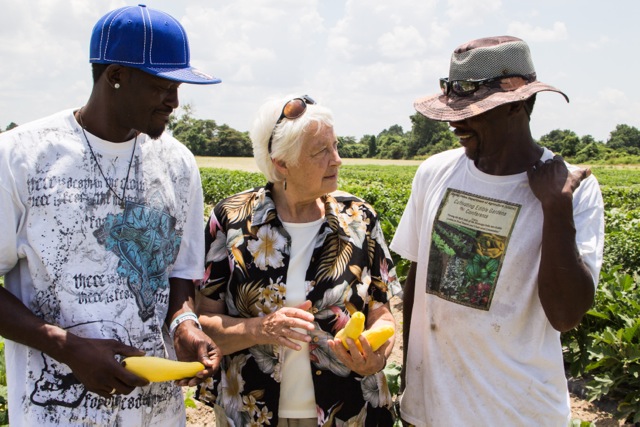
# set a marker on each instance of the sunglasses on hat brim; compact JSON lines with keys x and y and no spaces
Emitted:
{"x":469,"y":87}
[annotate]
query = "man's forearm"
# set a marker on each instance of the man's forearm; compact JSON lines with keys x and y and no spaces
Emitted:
{"x":19,"y":324}
{"x":565,"y":285}
{"x":181,"y":297}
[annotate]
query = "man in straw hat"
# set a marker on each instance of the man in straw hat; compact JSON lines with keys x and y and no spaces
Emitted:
{"x":101,"y":238}
{"x":508,"y":253}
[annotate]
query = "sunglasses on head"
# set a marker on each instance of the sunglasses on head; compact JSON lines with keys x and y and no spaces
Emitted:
{"x":292,"y":110}
{"x":468,"y":87}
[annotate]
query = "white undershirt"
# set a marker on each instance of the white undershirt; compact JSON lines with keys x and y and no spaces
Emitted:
{"x":297,"y":398}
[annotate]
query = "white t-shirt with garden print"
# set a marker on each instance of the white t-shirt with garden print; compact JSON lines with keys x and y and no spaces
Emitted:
{"x":481,"y":350}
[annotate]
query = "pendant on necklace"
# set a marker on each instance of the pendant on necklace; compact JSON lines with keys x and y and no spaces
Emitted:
{"x":122,"y":200}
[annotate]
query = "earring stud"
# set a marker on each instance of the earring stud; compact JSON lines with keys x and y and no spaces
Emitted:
{"x":117,"y":85}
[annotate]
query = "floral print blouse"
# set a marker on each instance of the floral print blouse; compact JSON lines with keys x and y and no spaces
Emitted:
{"x":247,"y":256}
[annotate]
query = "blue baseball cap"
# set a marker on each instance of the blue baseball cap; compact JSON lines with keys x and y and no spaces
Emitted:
{"x":147,"y":39}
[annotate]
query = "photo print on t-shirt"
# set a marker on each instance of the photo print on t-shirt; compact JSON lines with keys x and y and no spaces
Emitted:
{"x":469,"y":240}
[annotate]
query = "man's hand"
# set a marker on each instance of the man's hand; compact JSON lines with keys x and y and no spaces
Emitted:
{"x":551,"y":180}
{"x":93,"y":362}
{"x":191,"y":344}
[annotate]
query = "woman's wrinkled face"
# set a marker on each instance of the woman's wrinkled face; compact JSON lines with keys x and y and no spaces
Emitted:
{"x":316,"y":173}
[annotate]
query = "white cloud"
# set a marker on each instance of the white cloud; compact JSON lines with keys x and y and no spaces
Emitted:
{"x":612,"y":96}
{"x":401,"y":43}
{"x":340,"y":48}
{"x":471,"y":12}
{"x":367,"y":60}
{"x":532,"y":33}
{"x":378,"y":30}
{"x":602,"y":43}
{"x":439,"y":36}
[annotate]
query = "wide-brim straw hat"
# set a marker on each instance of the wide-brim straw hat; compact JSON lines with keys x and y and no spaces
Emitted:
{"x":484,"y":59}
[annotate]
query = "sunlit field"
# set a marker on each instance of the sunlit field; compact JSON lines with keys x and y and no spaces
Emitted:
{"x":249,"y":165}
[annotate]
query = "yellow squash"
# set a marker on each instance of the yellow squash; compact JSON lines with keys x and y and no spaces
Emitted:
{"x":352,"y":329}
{"x":377,"y":336}
{"x":157,"y":369}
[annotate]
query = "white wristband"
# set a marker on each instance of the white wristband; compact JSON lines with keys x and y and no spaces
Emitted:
{"x":188,"y":315}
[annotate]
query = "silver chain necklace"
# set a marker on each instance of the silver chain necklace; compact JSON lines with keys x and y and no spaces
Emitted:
{"x":95,"y":159}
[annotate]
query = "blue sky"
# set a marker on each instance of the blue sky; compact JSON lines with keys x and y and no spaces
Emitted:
{"x":367,"y":60}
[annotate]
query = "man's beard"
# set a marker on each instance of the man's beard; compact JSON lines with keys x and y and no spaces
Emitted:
{"x":156,"y":132}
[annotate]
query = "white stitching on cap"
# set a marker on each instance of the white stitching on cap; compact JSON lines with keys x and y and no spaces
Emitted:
{"x":101,"y":36}
{"x":106,"y":44}
{"x":145,"y":36}
{"x":108,"y":35}
{"x":105,"y":33}
{"x":184,"y":44}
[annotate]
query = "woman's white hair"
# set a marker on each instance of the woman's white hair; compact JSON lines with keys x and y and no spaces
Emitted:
{"x":286,"y":143}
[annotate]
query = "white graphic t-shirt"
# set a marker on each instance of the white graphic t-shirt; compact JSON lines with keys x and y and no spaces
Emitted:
{"x":482,"y":350}
{"x":78,"y":260}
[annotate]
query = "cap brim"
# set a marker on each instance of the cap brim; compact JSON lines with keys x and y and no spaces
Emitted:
{"x":454,"y":108}
{"x":183,"y":75}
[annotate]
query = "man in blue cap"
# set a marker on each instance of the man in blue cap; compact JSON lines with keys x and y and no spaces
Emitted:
{"x":102,"y":238}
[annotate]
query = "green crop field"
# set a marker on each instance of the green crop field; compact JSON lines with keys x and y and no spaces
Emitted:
{"x":249,"y":165}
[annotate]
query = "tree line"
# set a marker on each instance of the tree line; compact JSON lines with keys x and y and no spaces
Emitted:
{"x":425,"y":138}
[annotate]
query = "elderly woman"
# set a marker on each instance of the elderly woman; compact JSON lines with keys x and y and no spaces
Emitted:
{"x":287,"y":265}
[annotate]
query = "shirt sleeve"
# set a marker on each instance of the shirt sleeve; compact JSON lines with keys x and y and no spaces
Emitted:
{"x":8,"y":231}
{"x":589,"y":222}
{"x":188,"y":264}
{"x":405,"y":241}
{"x":11,"y":212}
{"x":217,"y":264}
{"x":382,"y":267}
